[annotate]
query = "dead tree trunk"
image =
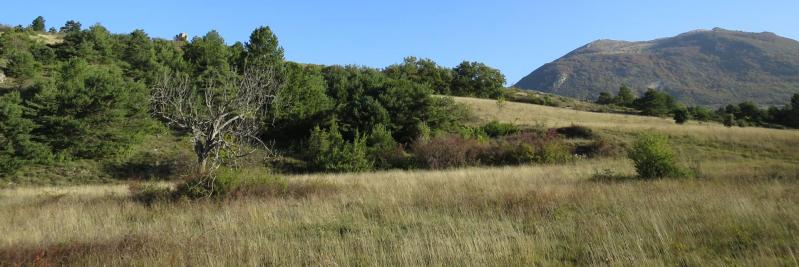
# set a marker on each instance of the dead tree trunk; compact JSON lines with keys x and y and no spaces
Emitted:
{"x":224,"y":117}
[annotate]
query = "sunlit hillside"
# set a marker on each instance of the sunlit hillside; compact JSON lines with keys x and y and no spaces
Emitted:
{"x":708,"y":139}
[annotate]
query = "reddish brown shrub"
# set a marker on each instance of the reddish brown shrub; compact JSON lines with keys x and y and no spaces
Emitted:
{"x":447,"y":151}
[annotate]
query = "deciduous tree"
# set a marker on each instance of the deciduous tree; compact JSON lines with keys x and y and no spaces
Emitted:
{"x":478,"y":80}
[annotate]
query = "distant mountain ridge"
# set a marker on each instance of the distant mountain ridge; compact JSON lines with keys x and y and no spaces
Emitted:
{"x":706,"y":67}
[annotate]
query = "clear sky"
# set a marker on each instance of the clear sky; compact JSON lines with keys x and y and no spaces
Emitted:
{"x":513,"y":36}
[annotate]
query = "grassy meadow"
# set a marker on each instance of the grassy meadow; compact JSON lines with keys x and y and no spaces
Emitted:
{"x":740,"y":208}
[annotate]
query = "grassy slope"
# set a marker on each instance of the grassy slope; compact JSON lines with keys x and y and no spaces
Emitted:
{"x":704,"y":141}
{"x":742,"y":211}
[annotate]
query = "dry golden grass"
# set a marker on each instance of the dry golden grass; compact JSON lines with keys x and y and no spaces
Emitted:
{"x":549,"y":215}
{"x":741,"y":210}
{"x":50,"y":38}
{"x":697,"y":141}
{"x":528,"y":114}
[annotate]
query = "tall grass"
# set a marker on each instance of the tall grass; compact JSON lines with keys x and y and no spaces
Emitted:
{"x":548,"y":215}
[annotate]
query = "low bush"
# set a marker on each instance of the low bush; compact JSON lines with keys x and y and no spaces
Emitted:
{"x":600,"y":147}
{"x":528,"y":147}
{"x":576,"y":131}
{"x":547,"y":147}
{"x":328,"y":151}
{"x":201,"y":186}
{"x":468,"y":132}
{"x":149,"y":193}
{"x":447,"y":151}
{"x":681,"y":115}
{"x":230,"y":182}
{"x":496,"y":129}
{"x":391,"y":158}
{"x":384,"y":152}
{"x":225,"y":184}
{"x":653,"y":157}
{"x":507,"y":153}
{"x":553,"y":152}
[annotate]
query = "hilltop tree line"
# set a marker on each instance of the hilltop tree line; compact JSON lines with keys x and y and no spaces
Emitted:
{"x":89,"y":96}
{"x":657,"y":103}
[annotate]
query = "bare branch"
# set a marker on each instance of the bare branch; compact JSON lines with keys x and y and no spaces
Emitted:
{"x":224,"y":115}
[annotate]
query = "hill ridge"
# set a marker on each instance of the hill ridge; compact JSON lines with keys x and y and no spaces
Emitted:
{"x":706,"y":67}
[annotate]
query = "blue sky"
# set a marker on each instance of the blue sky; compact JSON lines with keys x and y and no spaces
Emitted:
{"x":513,"y":36}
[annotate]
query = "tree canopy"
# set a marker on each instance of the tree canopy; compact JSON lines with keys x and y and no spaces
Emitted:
{"x":38,"y":24}
{"x":478,"y":80}
{"x":90,"y":96}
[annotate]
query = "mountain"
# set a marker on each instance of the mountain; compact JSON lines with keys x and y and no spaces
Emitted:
{"x":705,"y":67}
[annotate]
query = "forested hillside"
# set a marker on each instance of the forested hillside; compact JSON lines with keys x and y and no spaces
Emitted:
{"x":89,"y":95}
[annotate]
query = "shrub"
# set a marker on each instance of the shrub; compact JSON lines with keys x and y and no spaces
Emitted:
{"x":576,"y":131}
{"x":508,"y":153}
{"x":652,"y":157}
{"x":681,"y":115}
{"x":22,"y":65}
{"x":228,"y":182}
{"x":384,"y":152}
{"x":601,"y":147}
{"x":728,"y":120}
{"x":330,"y":152}
{"x":553,"y":152}
{"x":149,"y":193}
{"x":525,"y":148}
{"x":201,"y":186}
{"x":700,"y":113}
{"x":497,"y":129}
{"x":447,"y":151}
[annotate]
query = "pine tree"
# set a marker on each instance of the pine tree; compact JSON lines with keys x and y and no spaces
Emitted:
{"x":16,"y":144}
{"x":38,"y":24}
{"x":625,"y":97}
{"x":71,"y":26}
{"x":263,"y":48}
{"x":605,"y":98}
{"x":89,"y":111}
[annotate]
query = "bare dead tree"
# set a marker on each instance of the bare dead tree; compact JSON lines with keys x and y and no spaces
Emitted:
{"x":223,"y":115}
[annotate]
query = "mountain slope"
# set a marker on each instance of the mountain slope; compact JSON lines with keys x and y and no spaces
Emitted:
{"x":700,"y":67}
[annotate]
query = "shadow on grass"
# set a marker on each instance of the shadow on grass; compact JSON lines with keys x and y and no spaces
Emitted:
{"x":232,"y":188}
{"x":609,"y":176}
{"x":71,"y":252}
{"x":149,"y":166}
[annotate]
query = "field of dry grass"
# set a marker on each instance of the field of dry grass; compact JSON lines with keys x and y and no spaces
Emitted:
{"x":700,"y":140}
{"x":741,"y":209}
{"x":557,"y":117}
